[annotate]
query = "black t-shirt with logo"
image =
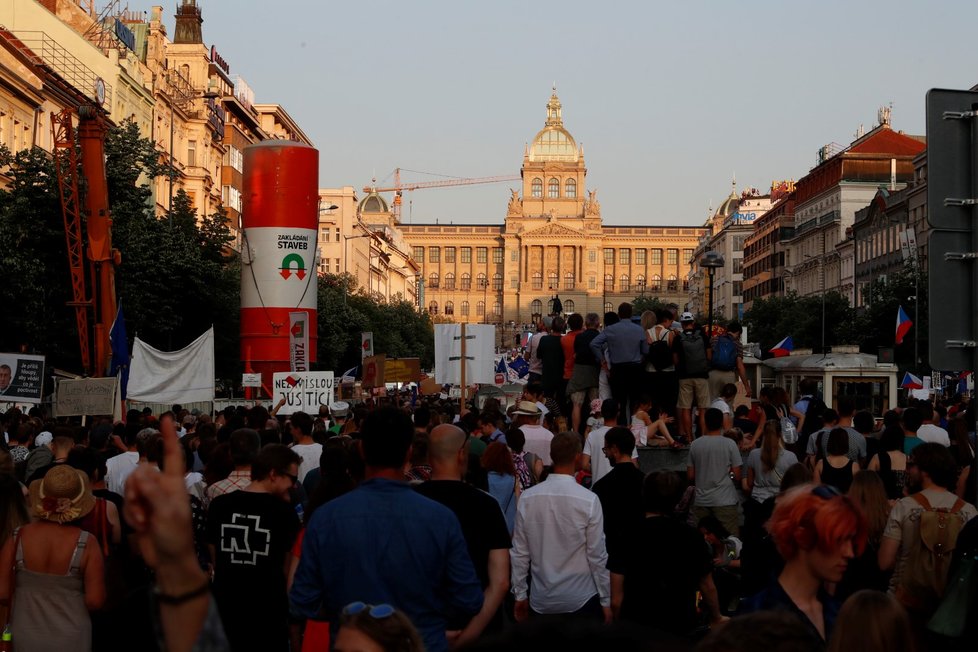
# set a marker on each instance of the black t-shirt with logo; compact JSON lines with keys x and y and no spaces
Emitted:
{"x":252,"y":533}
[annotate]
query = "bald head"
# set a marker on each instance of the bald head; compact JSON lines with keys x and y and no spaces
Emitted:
{"x":444,"y":444}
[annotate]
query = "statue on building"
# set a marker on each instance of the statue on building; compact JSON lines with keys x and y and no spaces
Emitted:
{"x":515,"y":203}
{"x":591,"y":205}
{"x":883,"y":115}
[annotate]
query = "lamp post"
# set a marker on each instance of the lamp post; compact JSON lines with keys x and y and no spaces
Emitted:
{"x":711,"y":260}
{"x":821,"y":266}
{"x":484,"y":282}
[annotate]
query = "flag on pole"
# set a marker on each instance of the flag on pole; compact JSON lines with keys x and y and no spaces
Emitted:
{"x":903,"y":325}
{"x":783,"y":348}
{"x":911,"y":382}
{"x":350,"y":375}
{"x":520,"y":366}
{"x":501,"y":366}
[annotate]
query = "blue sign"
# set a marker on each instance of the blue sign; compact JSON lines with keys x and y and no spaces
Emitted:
{"x":125,"y":35}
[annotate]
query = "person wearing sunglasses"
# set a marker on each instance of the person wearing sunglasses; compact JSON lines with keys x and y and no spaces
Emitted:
{"x":817,"y":531}
{"x":376,"y":628}
{"x":250,"y":533}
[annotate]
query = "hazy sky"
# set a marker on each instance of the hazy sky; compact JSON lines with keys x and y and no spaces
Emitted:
{"x":669,"y":99}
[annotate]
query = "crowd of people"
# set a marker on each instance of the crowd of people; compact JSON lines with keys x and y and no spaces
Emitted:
{"x":796,"y":525}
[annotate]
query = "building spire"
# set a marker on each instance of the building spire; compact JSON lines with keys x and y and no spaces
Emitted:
{"x":188,"y":23}
{"x":553,"y":110}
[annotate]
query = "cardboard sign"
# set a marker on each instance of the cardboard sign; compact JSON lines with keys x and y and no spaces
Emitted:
{"x":366,"y":345}
{"x":299,"y":340}
{"x":22,"y":378}
{"x":86,"y":396}
{"x":403,"y":370}
{"x":373,"y":371}
{"x":303,"y":391}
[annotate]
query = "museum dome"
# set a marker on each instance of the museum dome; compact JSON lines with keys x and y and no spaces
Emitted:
{"x":553,"y":142}
{"x":373,"y":203}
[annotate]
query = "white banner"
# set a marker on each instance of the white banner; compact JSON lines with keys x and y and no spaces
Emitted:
{"x":278,"y":266}
{"x":299,"y":341}
{"x":303,"y":391}
{"x":182,"y":376}
{"x":251,"y":380}
{"x":366,"y":345}
{"x":480,"y":353}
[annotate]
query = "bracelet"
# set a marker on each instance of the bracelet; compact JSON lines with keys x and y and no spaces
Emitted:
{"x":166,"y":598}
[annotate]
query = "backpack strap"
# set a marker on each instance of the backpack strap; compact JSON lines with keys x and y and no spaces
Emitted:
{"x":921,"y":500}
{"x":958,"y":506}
{"x":75,"y":565}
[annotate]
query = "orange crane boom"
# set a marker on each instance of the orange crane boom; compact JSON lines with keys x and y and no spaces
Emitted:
{"x":398,"y":188}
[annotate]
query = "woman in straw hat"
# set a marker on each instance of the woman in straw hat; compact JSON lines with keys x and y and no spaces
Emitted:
{"x":49,"y":573}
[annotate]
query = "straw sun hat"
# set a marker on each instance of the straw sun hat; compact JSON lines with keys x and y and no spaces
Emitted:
{"x":62,"y":495}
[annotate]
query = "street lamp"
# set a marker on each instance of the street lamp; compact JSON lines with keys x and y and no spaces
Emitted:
{"x":484,"y":282}
{"x":711,"y":261}
{"x":821,"y":265}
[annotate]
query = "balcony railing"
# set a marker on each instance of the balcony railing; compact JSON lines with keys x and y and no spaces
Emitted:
{"x":49,"y":54}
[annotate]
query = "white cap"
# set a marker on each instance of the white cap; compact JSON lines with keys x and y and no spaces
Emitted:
{"x":43,"y":439}
{"x":686,"y":316}
{"x":339,"y":409}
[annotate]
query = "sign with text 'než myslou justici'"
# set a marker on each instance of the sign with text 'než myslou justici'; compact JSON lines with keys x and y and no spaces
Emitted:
{"x":303,"y":391}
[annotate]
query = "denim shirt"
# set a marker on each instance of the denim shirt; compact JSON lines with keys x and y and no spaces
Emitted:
{"x":385,"y":543}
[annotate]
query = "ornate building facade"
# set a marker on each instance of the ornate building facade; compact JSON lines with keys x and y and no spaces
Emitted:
{"x":552,"y":244}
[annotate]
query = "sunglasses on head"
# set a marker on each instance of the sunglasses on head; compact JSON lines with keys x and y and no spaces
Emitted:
{"x":374,"y":611}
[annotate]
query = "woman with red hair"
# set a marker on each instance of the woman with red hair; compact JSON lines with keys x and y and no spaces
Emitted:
{"x":817,"y":531}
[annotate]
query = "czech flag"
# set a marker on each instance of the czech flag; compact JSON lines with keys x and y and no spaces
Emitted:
{"x":903,"y":325}
{"x":783,"y":348}
{"x":911,"y":382}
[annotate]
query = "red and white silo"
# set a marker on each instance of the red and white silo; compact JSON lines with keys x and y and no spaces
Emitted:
{"x":280,"y":222}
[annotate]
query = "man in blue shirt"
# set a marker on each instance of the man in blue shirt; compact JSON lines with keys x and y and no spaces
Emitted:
{"x":385,"y":543}
{"x":626,"y":345}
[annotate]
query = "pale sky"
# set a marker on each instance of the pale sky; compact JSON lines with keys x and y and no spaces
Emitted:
{"x":669,"y":99}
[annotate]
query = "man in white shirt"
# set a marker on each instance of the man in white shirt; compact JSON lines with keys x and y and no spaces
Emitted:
{"x":304,"y":446}
{"x":724,"y":403}
{"x":537,"y":437}
{"x":593,"y":458}
{"x":929,"y":431}
{"x":559,"y":541}
{"x":119,"y":467}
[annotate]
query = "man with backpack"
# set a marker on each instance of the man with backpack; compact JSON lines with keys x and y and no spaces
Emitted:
{"x":921,"y":533}
{"x":727,"y":362}
{"x":691,"y":356}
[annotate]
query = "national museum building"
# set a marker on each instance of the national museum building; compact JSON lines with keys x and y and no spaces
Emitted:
{"x":551,"y":244}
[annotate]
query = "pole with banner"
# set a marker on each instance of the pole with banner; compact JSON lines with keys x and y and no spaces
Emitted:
{"x":299,"y":340}
{"x":366,"y":345}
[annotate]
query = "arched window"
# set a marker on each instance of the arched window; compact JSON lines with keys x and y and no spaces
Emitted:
{"x":672,"y":285}
{"x":639,"y":282}
{"x":570,"y":188}
{"x":449,"y":308}
{"x":609,"y":283}
{"x":433,"y":308}
{"x":480,"y":309}
{"x":466,"y":282}
{"x":536,"y":307}
{"x":480,"y":282}
{"x":433,"y":280}
{"x":449,"y":285}
{"x":465,"y":308}
{"x":569,"y":306}
{"x":553,"y":188}
{"x":569,"y":281}
{"x":537,"y":188}
{"x":656,"y":283}
{"x":497,"y":309}
{"x":550,"y":307}
{"x":607,"y":306}
{"x":553,"y":281}
{"x":497,"y":282}
{"x":624,"y":282}
{"x":537,"y":281}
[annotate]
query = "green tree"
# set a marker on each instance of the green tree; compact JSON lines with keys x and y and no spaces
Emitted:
{"x":877,"y":321}
{"x":773,"y":318}
{"x":37,"y":286}
{"x":642,"y":303}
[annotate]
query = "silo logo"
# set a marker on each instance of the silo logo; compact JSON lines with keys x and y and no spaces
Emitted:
{"x":293,"y":264}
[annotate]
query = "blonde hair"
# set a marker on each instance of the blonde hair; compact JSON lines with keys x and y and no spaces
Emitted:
{"x":648,"y":320}
{"x":869,"y":493}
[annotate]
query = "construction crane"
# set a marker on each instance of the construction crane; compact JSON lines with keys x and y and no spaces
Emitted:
{"x":88,"y":230}
{"x":398,"y":188}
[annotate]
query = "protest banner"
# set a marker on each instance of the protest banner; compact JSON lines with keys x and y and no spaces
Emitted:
{"x":86,"y":397}
{"x":303,"y":391}
{"x":21,"y":377}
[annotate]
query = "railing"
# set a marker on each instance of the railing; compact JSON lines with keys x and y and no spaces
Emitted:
{"x":50,"y":54}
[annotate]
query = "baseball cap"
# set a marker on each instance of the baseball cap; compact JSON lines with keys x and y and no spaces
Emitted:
{"x":686,"y":316}
{"x":43,"y":439}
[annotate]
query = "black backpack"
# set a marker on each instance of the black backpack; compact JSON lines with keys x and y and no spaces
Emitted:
{"x":660,"y":353}
{"x":694,"y":353}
